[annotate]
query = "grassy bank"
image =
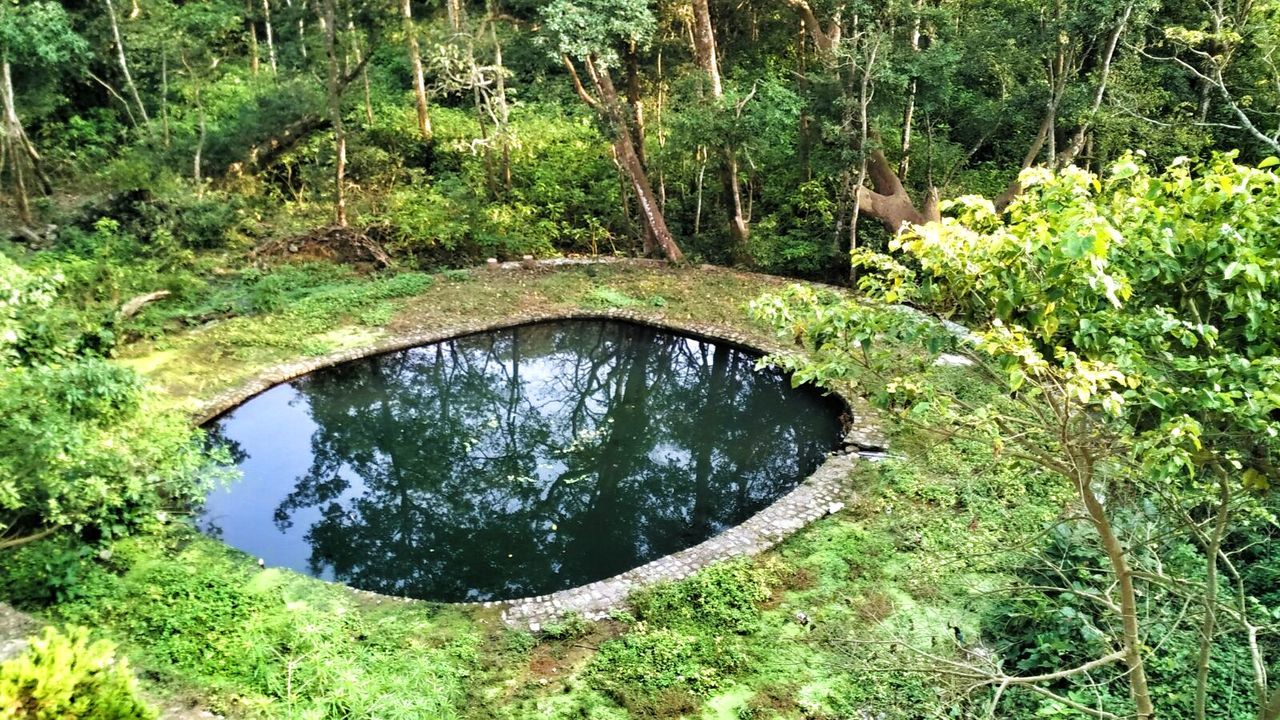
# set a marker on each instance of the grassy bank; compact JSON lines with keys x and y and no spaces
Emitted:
{"x":818,"y":628}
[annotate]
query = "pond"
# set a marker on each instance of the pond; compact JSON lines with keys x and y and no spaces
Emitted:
{"x":515,"y":462}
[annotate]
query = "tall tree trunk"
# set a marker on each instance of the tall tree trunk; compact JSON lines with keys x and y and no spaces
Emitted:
{"x":806,"y":123}
{"x":635,"y":102}
{"x":1212,"y":545}
{"x":335,"y":115}
{"x":364,"y":67}
{"x":197,"y":161}
{"x":455,"y":13}
{"x":608,"y":105}
{"x":124,"y":63}
{"x":302,"y":27}
{"x":500,"y":97}
{"x":251,"y":27}
{"x":13,"y":138}
{"x":1123,"y":574}
{"x":415,"y":61}
{"x":164,"y":96}
{"x":271,"y":43}
{"x":704,"y":39}
{"x":909,"y":111}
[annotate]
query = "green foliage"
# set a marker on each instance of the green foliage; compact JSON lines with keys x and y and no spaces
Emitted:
{"x":722,"y":599}
{"x":595,"y":29}
{"x":67,"y":676}
{"x":1134,"y":299}
{"x":80,"y":448}
{"x":648,"y":661}
{"x":272,"y":643}
{"x":603,"y":296}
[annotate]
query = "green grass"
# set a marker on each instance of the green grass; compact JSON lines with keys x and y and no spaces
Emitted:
{"x":899,"y":566}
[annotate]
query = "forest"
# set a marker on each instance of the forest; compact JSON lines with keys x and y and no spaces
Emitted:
{"x":1034,"y":243}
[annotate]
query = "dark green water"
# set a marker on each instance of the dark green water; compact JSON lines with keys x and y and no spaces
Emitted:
{"x":513,"y":463}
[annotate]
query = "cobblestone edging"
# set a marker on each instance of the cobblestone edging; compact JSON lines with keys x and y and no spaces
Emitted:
{"x":820,"y":494}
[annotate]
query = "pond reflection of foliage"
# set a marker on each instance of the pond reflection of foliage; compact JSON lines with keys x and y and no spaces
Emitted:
{"x":528,"y":460}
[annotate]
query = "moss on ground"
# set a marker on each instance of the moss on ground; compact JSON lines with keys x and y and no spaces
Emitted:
{"x":815,"y":629}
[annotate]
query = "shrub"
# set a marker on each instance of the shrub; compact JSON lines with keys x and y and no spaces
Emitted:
{"x":79,"y":448}
{"x":650,"y":661}
{"x":722,"y":598}
{"x":66,"y":676}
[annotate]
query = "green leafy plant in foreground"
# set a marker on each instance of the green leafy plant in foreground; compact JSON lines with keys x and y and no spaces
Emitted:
{"x":1128,"y":320}
{"x":64,"y":675}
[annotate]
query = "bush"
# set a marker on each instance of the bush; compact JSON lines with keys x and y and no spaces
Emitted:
{"x":65,"y":676}
{"x":722,"y":599}
{"x":80,"y":449}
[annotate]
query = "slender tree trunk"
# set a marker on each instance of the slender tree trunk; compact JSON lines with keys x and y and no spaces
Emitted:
{"x":251,"y":27}
{"x":164,"y":96}
{"x":302,"y":27}
{"x":909,"y":111}
{"x":1208,"y":625}
{"x":335,"y":115}
{"x":500,"y":97}
{"x":271,"y":43}
{"x":704,"y":38}
{"x":806,"y":131}
{"x":1123,"y":574}
{"x":197,"y":161}
{"x":635,"y":102}
{"x":415,"y":61}
{"x":630,"y":162}
{"x":124,"y":63}
{"x":1077,"y":141}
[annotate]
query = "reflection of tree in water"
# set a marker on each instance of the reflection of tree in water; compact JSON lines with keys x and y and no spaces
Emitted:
{"x":537,"y":458}
{"x":217,"y":441}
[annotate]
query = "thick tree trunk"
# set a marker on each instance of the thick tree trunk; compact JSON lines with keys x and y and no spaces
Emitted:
{"x":704,"y":38}
{"x":889,"y":202}
{"x":124,"y":63}
{"x":456,"y":14}
{"x":415,"y":62}
{"x":335,"y":115}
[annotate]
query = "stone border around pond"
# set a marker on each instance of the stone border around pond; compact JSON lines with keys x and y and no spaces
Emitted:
{"x":822,"y":493}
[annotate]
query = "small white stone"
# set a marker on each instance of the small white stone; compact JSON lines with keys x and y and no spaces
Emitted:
{"x":834,"y":508}
{"x":949,"y":360}
{"x":535,"y":627}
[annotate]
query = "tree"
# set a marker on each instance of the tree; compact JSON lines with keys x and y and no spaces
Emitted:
{"x":704,"y":38}
{"x":123,"y":61}
{"x":1233,"y":35}
{"x":36,"y":38}
{"x":81,"y":448}
{"x":852,"y":54}
{"x":415,"y":63}
{"x":333,"y":97}
{"x":590,"y":32}
{"x":1135,"y":371}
